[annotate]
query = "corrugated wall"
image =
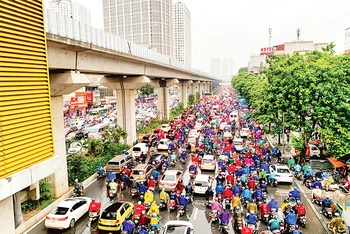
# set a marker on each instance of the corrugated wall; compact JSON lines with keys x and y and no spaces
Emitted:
{"x":26,"y":136}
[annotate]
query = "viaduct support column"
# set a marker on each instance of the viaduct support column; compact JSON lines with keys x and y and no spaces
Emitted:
{"x":62,"y":84}
{"x":183,"y":92}
{"x":126,"y":87}
{"x":201,"y":89}
{"x":7,"y":221}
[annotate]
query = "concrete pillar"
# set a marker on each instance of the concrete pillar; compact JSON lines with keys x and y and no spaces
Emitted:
{"x":59,"y":180}
{"x":163,"y":103}
{"x":17,"y":209}
{"x":7,"y":221}
{"x":200,"y":85}
{"x":126,"y":113}
{"x":192,"y":89}
{"x":183,"y":88}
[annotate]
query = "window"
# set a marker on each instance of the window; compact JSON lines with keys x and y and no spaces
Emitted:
{"x":122,"y":211}
{"x":60,"y":211}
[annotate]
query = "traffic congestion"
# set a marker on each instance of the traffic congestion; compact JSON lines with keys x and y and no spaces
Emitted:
{"x":210,"y":169}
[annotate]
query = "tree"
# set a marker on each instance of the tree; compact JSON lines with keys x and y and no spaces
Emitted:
{"x":191,"y":100}
{"x":198,"y":96}
{"x":243,"y":70}
{"x":147,"y":90}
{"x":94,"y":146}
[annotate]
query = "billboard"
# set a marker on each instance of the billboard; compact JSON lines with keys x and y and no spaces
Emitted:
{"x":267,"y":50}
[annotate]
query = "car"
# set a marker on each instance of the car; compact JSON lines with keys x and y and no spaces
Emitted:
{"x":201,"y":183}
{"x":170,"y":179}
{"x":178,"y":227}
{"x":208,"y":163}
{"x":227,"y":134}
{"x":239,"y":143}
{"x":223,"y":125}
{"x":77,"y":147}
{"x":227,"y":128}
{"x":157,"y":160}
{"x":163,"y":144}
{"x":142,"y":172}
{"x":193,"y":133}
{"x":113,"y":216}
{"x":165,"y":127}
{"x":67,"y":213}
{"x":244,"y":132}
{"x":282,"y":172}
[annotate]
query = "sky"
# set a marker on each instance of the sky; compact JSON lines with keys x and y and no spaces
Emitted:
{"x":236,"y":29}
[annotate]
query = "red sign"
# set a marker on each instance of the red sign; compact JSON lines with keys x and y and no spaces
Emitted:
{"x":89,"y":97}
{"x":73,"y":100}
{"x":267,"y":50}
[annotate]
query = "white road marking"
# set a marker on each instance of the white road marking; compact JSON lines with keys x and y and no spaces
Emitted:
{"x":195,"y":213}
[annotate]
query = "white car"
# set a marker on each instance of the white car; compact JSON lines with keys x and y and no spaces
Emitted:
{"x":170,"y":179}
{"x":227,"y":135}
{"x":193,"y":133}
{"x":282,"y":172}
{"x":67,"y":213}
{"x":223,"y":125}
{"x":178,"y":227}
{"x":201,"y":183}
{"x":238,"y":142}
{"x":77,"y":147}
{"x":165,"y":127}
{"x":163,"y":144}
{"x":208,"y":163}
{"x":244,"y":132}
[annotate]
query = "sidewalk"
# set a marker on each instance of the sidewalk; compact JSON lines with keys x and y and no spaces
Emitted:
{"x":272,"y":139}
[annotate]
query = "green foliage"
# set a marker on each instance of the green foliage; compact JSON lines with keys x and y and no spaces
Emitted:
{"x":243,"y":70}
{"x":148,"y":129}
{"x":198,"y":96}
{"x":177,"y":111}
{"x":81,"y":167}
{"x":298,"y":142}
{"x":147,"y":90}
{"x":191,"y":100}
{"x":45,"y":198}
{"x":312,"y":91}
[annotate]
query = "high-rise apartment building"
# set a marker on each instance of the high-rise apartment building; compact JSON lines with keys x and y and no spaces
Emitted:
{"x":182,"y":33}
{"x":146,"y":22}
{"x":227,"y":68}
{"x":71,"y":9}
{"x":215,"y":67}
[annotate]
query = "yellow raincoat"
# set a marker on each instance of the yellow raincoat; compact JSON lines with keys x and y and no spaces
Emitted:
{"x":149,"y":197}
{"x":164,"y":196}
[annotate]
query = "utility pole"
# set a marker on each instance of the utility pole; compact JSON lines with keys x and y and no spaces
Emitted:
{"x":283,"y":135}
{"x":298,"y":34}
{"x":270,"y":36}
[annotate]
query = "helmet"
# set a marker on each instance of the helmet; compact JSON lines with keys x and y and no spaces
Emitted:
{"x":275,"y":216}
{"x":336,"y":214}
{"x":139,"y":203}
{"x":154,"y":215}
{"x":76,"y":180}
{"x":327,"y":196}
{"x":163,"y":190}
{"x":238,"y":208}
{"x":295,"y":188}
{"x":151,"y":178}
{"x":317,"y":187}
{"x":252,"y":211}
{"x":262,"y":170}
{"x":143,"y":212}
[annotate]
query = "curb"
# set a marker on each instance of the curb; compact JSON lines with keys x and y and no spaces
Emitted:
{"x":324,"y":225}
{"x":31,"y":223}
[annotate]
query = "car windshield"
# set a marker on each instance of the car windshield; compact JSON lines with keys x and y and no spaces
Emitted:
{"x":282,"y":170}
{"x":201,"y":183}
{"x":207,"y":160}
{"x":60,"y":211}
{"x":109,"y":215}
{"x":137,"y":172}
{"x":193,"y":132}
{"x":176,"y":229}
{"x":237,"y":142}
{"x":168,"y":177}
{"x":136,"y":149}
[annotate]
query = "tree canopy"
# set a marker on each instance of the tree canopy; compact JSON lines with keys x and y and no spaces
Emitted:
{"x":147,"y":90}
{"x":312,"y":90}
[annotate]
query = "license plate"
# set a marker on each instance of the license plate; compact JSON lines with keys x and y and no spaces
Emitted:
{"x":108,"y":222}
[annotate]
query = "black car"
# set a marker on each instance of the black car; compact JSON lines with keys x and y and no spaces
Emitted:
{"x":157,"y":160}
{"x":171,"y":134}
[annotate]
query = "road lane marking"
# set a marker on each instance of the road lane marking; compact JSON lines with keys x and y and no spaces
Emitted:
{"x":195,"y":213}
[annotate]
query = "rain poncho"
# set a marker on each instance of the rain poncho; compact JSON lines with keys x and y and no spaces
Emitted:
{"x":273,"y":204}
{"x":164,"y":196}
{"x":224,"y":217}
{"x":113,"y":186}
{"x":236,"y":201}
{"x":297,"y":169}
{"x":128,"y":226}
{"x":237,"y":190}
{"x":317,"y":192}
{"x":247,"y":194}
{"x":291,"y":219}
{"x":252,"y":219}
{"x":143,"y":188}
{"x":216,"y":206}
{"x":295,"y":193}
{"x":252,"y":206}
{"x":274,"y":224}
{"x":111,"y":176}
{"x":219,"y":189}
{"x":154,"y":208}
{"x":149,"y":197}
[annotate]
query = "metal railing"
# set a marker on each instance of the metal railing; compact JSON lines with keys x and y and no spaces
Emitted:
{"x":64,"y":26}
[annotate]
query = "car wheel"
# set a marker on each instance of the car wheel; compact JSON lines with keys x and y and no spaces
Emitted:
{"x":72,"y":223}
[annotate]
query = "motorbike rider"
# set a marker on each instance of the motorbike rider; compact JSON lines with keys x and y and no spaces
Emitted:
{"x":193,"y":168}
{"x":326,"y":203}
{"x":154,"y":222}
{"x":262,"y":175}
{"x":316,"y":192}
{"x":291,"y":162}
{"x":113,"y":186}
{"x":244,"y":179}
{"x":300,"y":209}
{"x":246,"y":230}
{"x":139,"y":208}
{"x":224,"y":217}
{"x":227,"y":193}
{"x":291,"y":219}
{"x":154,"y":209}
{"x":280,"y":215}
{"x":307,"y":176}
{"x":219,"y":189}
{"x":220,"y":179}
{"x":100,"y":170}
{"x":272,"y":176}
{"x":209,"y":194}
{"x":155,"y":175}
{"x":251,"y":184}
{"x":180,"y":186}
{"x":111,"y":176}
{"x":171,"y":146}
{"x":273,"y":204}
{"x":236,"y":201}
{"x":238,"y":214}
{"x":297,"y":169}
{"x":264,"y":208}
{"x":142,"y":157}
{"x":149,"y":196}
{"x":295,"y":193}
{"x":317,"y":183}
{"x":274,"y":223}
{"x":252,"y":206}
{"x":164,"y":196}
{"x":78,"y":187}
{"x":189,"y":189}
{"x":128,"y":226}
{"x":144,"y":219}
{"x":95,"y":206}
{"x":265,"y":167}
{"x":237,"y":189}
{"x":216,"y":206}
{"x":173,"y":195}
{"x":183,"y":155}
{"x":247,"y":194}
{"x":230,"y":179}
{"x":151,"y":183}
{"x":143,"y":188}
{"x":124,"y":178}
{"x":251,"y":218}
{"x":165,"y":164}
{"x":183,"y":201}
{"x":336,"y":223}
{"x":258,"y":194}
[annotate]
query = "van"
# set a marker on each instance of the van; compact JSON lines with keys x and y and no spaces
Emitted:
{"x":97,"y":130}
{"x":118,"y":163}
{"x":138,"y":149}
{"x":142,"y":172}
{"x":234,"y":116}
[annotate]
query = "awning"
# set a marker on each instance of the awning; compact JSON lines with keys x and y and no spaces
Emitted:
{"x":336,"y":163}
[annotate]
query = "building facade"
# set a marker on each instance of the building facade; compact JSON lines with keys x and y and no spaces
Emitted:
{"x":71,"y":9}
{"x":182,"y":33}
{"x":145,"y":22}
{"x":227,"y":68}
{"x":347,"y":41}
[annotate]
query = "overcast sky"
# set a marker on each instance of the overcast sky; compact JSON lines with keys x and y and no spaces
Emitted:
{"x":239,"y":28}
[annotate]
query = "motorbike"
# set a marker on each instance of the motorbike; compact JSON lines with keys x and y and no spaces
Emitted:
{"x":162,"y":205}
{"x":265,"y":217}
{"x":318,"y":200}
{"x":172,"y":205}
{"x":189,"y":196}
{"x":276,"y":231}
{"x":173,"y":163}
{"x":252,"y":227}
{"x":181,"y":210}
{"x":142,"y":194}
{"x":219,"y":197}
{"x":192,"y":175}
{"x":136,"y":218}
{"x":224,"y":228}
{"x":291,"y":228}
{"x":122,"y":185}
{"x":308,"y":184}
{"x":134,"y":192}
{"x":209,"y":202}
{"x":163,"y":169}
{"x":148,"y":205}
{"x":340,"y":230}
{"x":214,"y":215}
{"x":226,"y":204}
{"x":259,"y":201}
{"x":101,"y":174}
{"x":328,"y":212}
{"x":112,"y":193}
{"x":299,"y":175}
{"x":78,"y":192}
{"x":302,"y":220}
{"x":344,"y":189}
{"x":245,"y":202}
{"x":273,"y":182}
{"x":238,"y":226}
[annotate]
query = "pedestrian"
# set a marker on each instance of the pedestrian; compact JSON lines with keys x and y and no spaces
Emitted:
{"x":288,"y":138}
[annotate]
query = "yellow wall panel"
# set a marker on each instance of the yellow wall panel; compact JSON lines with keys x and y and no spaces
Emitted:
{"x":26,"y":136}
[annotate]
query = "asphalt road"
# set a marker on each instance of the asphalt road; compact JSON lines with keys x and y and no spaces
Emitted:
{"x":197,"y":212}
